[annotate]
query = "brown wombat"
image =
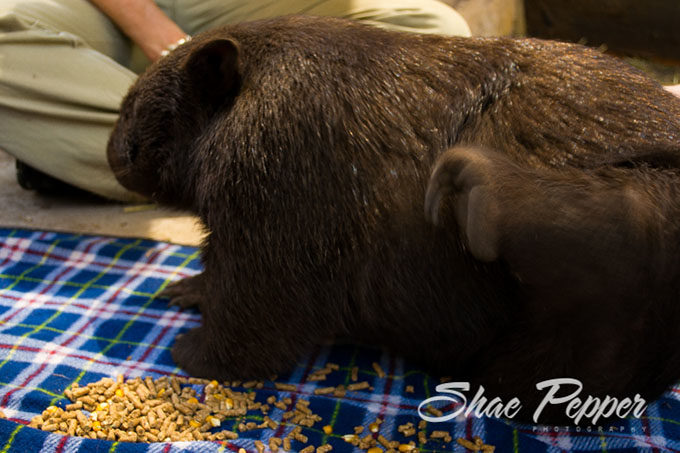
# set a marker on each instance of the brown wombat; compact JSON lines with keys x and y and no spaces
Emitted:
{"x":549,"y":246}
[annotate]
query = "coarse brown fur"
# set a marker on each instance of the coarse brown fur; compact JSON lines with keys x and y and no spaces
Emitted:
{"x":550,"y":243}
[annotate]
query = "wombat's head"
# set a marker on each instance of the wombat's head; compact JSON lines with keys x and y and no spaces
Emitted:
{"x":154,"y":145}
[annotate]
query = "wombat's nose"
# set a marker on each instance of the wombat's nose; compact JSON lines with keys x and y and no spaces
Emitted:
{"x":118,"y":154}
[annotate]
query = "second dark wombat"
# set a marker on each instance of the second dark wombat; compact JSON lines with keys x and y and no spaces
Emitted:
{"x":549,"y":247}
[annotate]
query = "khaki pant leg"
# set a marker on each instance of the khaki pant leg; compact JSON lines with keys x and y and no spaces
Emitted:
{"x":63,"y":70}
{"x":424,"y":16}
{"x":61,"y":83}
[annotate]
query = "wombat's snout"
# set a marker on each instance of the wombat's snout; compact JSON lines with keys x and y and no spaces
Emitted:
{"x":124,"y":159}
{"x":119,"y":156}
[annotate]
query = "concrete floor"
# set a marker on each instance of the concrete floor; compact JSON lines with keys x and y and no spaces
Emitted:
{"x":26,"y":209}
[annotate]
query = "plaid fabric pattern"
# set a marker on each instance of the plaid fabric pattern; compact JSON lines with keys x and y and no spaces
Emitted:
{"x":77,"y":308}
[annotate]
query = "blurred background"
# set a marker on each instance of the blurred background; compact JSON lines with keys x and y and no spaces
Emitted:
{"x":645,"y":33}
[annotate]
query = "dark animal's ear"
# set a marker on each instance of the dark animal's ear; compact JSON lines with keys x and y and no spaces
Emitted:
{"x":213,"y":70}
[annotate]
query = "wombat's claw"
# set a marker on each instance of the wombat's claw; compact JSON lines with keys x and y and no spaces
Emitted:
{"x":184,"y":302}
{"x":170,"y":291}
{"x":183,"y":293}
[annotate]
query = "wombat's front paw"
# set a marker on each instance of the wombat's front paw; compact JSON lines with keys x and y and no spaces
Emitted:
{"x":192,"y":352}
{"x":185,"y":293}
{"x":469,"y":176}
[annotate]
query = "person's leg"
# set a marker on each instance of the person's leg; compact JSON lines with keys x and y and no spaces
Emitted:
{"x":675,"y":89}
{"x":62,"y":78}
{"x":63,"y":71}
{"x":424,"y":16}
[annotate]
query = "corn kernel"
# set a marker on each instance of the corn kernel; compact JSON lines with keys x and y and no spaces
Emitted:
{"x":375,"y":450}
{"x":214,"y":421}
{"x":192,"y":400}
{"x":229,"y":403}
{"x":350,"y":438}
{"x":96,"y":426}
{"x":406,"y":447}
{"x":119,"y":393}
{"x":51,"y":409}
{"x":374,"y":427}
{"x":102,"y":406}
{"x":194,"y":423}
{"x":328,"y":429}
{"x":214,"y":383}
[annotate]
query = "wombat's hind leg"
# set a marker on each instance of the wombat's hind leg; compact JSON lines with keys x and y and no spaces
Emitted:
{"x":569,"y":233}
{"x":185,"y":293}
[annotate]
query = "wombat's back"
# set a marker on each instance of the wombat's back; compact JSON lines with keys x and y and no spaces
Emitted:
{"x":309,"y":167}
{"x":330,"y":143}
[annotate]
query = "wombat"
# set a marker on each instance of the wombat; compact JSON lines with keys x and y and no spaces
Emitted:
{"x":504,"y":211}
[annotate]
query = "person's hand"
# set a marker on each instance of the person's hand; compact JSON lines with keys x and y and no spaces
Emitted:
{"x":144,"y":23}
{"x":675,"y":89}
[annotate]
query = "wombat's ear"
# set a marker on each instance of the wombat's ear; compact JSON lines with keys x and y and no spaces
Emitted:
{"x":213,"y":70}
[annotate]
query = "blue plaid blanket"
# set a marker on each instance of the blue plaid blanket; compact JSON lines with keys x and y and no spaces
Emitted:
{"x":75,"y":309}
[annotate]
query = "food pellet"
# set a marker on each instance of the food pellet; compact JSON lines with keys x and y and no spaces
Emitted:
{"x":168,"y":409}
{"x":477,"y":445}
{"x":355,"y":374}
{"x":467,"y":444}
{"x":358,"y":386}
{"x":309,"y":449}
{"x":410,"y":389}
{"x":404,"y":427}
{"x":301,"y":438}
{"x":434,"y":411}
{"x":384,"y":442}
{"x":378,"y":370}
{"x":324,"y":391}
{"x":409,"y":432}
{"x":275,"y":443}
